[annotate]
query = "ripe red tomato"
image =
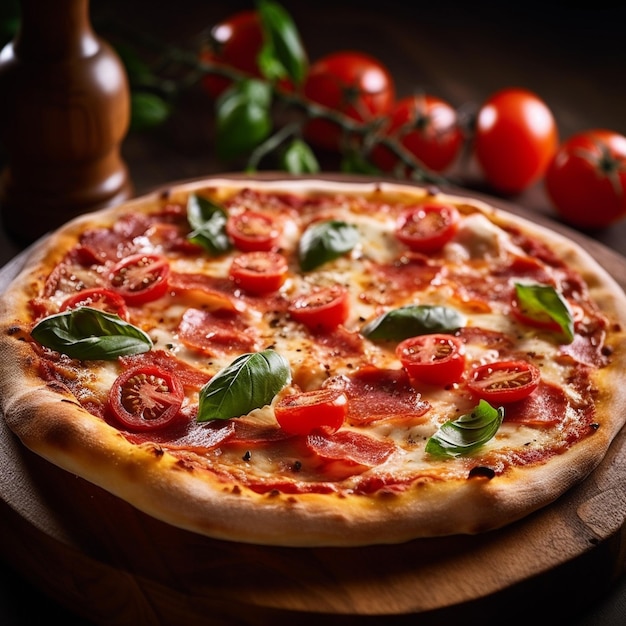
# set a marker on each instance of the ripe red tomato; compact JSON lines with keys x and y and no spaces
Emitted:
{"x":352,"y":83}
{"x":235,"y":42}
{"x":504,"y":381}
{"x":140,"y":278}
{"x":304,"y":413}
{"x":259,"y":272}
{"x":586,"y":180}
{"x":145,"y":398}
{"x":427,"y":227}
{"x":428,"y":128}
{"x":515,"y":139}
{"x":323,"y":309}
{"x":436,"y":359}
{"x":253,"y":230}
{"x":98,"y":298}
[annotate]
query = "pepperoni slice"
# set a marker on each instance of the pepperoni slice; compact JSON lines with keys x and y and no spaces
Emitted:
{"x":350,"y":447}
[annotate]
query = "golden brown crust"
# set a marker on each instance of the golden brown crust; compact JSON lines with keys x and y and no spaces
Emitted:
{"x":53,"y":424}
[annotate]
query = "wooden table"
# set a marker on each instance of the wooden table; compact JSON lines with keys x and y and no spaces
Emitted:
{"x":574,"y":60}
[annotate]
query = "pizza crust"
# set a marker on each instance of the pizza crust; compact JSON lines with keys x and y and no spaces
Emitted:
{"x":54,"y":425}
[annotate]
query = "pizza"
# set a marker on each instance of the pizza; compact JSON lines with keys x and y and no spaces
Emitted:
{"x":308,"y":362}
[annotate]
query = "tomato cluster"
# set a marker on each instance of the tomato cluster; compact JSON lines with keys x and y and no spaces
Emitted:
{"x":513,"y":136}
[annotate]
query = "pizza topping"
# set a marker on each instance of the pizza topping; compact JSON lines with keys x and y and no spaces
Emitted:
{"x":250,"y":382}
{"x":207,"y":291}
{"x":259,"y":272}
{"x":252,"y":231}
{"x":208,"y":223}
{"x":145,"y":398}
{"x":350,"y":446}
{"x":323,"y":309}
{"x":542,"y":306}
{"x":97,"y":298}
{"x":89,"y":334}
{"x":427,"y":227}
{"x":436,"y":359}
{"x":411,"y":320}
{"x":504,"y":381}
{"x":466,"y":433}
{"x":140,"y":278}
{"x":305,"y":412}
{"x":325,"y":241}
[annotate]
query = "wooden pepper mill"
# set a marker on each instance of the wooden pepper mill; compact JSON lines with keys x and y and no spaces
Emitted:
{"x":64,"y":111}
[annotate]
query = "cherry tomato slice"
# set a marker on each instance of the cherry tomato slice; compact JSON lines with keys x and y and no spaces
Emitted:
{"x":253,"y":231}
{"x":98,"y":298}
{"x":428,"y":227}
{"x":259,"y":272}
{"x":140,"y":278}
{"x":504,"y":381}
{"x":146,"y":398}
{"x":436,"y":359}
{"x":304,"y":413}
{"x":323,"y":309}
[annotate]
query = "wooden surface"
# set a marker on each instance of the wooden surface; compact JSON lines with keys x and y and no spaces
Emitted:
{"x":106,"y":560}
{"x":575,"y":59}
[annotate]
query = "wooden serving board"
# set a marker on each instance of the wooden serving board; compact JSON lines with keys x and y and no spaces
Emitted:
{"x":114,"y":565}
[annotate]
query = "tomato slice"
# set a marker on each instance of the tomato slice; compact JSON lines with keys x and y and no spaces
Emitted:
{"x":427,"y":227}
{"x":259,"y":272}
{"x":323,"y":309}
{"x":98,"y":298}
{"x":146,"y":397}
{"x":252,"y":231}
{"x":436,"y":359}
{"x":504,"y":381}
{"x":140,"y":278}
{"x":306,"y":412}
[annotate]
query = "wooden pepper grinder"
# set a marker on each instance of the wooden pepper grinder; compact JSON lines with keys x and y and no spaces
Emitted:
{"x":64,"y":111}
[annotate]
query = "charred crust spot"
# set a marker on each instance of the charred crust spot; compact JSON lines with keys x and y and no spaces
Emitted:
{"x":274,"y":493}
{"x":236,"y":490}
{"x":292,"y":500}
{"x":480,"y":471}
{"x":594,"y":426}
{"x":14,"y":330}
{"x":158,"y":452}
{"x":184,"y":465}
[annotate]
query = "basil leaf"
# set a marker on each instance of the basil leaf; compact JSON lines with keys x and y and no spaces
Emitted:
{"x":90,"y":334}
{"x":243,"y":118}
{"x":148,"y":110}
{"x":283,"y":55}
{"x":251,"y":381}
{"x":413,"y":320}
{"x":543,"y":302}
{"x":325,"y":241}
{"x":298,"y":158}
{"x":468,"y":432}
{"x":208,"y":221}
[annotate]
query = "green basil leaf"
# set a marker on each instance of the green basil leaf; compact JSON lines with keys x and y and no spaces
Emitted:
{"x":412,"y":320}
{"x":544,"y":303}
{"x":325,"y":241}
{"x":250,"y":382}
{"x":243,"y":118}
{"x":298,"y":158}
{"x":208,"y":221}
{"x":467,"y":433}
{"x":283,"y":54}
{"x":90,"y":334}
{"x":148,"y":110}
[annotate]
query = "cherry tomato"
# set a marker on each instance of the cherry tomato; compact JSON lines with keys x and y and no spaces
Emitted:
{"x":428,"y":128}
{"x":236,"y":42}
{"x":304,"y":413}
{"x":515,"y":139}
{"x":352,"y":83}
{"x":98,"y":298}
{"x":259,"y":272}
{"x":323,"y":309}
{"x":504,"y":381}
{"x":145,"y":398}
{"x":436,"y":359}
{"x":252,"y":230}
{"x":586,"y":180}
{"x":140,"y":278}
{"x":427,"y":227}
